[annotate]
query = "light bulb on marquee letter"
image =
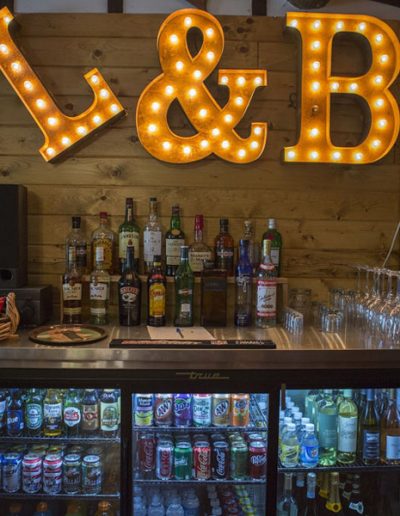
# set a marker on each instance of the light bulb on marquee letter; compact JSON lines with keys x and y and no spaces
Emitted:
{"x":373,"y":87}
{"x":61,"y":132}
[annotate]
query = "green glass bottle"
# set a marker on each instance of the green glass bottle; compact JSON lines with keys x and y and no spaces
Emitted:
{"x":347,"y":429}
{"x":327,"y":429}
{"x":184,"y":289}
{"x":174,"y":239}
{"x":128,"y":234}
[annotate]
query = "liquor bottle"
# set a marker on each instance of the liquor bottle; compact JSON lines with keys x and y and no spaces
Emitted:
{"x":311,"y":503}
{"x":152,"y":236}
{"x":103,"y":243}
{"x":99,"y":291}
{"x":72,"y":414}
{"x":184,"y":289}
{"x":199,"y":251}
{"x":390,"y":432}
{"x":34,"y":413}
{"x":156,"y":295}
{"x":72,"y":291}
{"x":3,"y":411}
{"x":300,"y":492}
{"x":347,"y":489}
{"x":213,"y":299}
{"x":76,"y":242}
{"x":253,"y":247}
{"x":347,"y":429}
{"x":174,"y":239}
{"x":334,"y":505}
{"x":327,"y":429}
{"x":224,"y":248}
{"x":266,"y":290}
{"x":90,"y":412}
{"x":109,"y":413}
{"x":129,"y":292}
{"x":356,"y":504}
{"x":287,"y":505}
{"x":128,"y":234}
{"x":52,"y":413}
{"x":369,"y":433}
{"x":15,"y":414}
{"x":244,"y":286}
{"x":275,"y":238}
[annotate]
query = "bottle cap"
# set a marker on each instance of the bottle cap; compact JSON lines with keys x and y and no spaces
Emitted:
{"x":309,"y":427}
{"x":199,"y":221}
{"x":287,"y":420}
{"x":223,"y":222}
{"x":76,"y":222}
{"x":297,"y":416}
{"x":153,"y":199}
{"x":271,"y":223}
{"x":129,"y":201}
{"x":305,"y":420}
{"x":291,"y":427}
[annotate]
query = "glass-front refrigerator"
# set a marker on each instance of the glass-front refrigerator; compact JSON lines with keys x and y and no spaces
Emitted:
{"x":339,"y":452}
{"x":199,"y":454}
{"x":60,"y":451}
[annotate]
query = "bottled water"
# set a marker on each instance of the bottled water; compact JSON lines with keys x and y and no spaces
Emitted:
{"x":191,"y":505}
{"x":297,"y":421}
{"x":156,"y":508}
{"x":304,"y":421}
{"x":139,"y":508}
{"x":309,"y":448}
{"x":290,"y":447}
{"x":175,"y":509}
{"x":289,"y":408}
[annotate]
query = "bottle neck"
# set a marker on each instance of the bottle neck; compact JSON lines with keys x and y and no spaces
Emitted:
{"x":223,"y":229}
{"x":198,"y":233}
{"x":334,"y":503}
{"x":288,"y":485}
{"x":248,"y":232}
{"x":128,"y":213}
{"x":130,"y":259}
{"x":175,"y":222}
{"x":153,"y":213}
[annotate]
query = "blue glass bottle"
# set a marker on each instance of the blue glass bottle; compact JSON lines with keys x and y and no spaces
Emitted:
{"x":244,"y":286}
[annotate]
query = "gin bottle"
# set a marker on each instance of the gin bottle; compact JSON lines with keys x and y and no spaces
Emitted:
{"x":287,"y":505}
{"x":347,"y":429}
{"x":152,"y":236}
{"x":327,"y":429}
{"x":244,"y":286}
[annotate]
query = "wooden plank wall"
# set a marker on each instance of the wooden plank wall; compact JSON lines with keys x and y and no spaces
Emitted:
{"x":330,"y":217}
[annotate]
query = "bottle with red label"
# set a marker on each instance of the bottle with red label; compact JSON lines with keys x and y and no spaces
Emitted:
{"x":90,"y":412}
{"x":72,"y":413}
{"x":266,"y":290}
{"x":224,"y":248}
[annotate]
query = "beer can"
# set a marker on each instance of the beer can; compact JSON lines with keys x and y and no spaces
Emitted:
{"x":220,"y":460}
{"x":143,"y":409}
{"x":239,"y":460}
{"x":163,"y":409}
{"x":202,"y":461}
{"x":257,"y":460}
{"x":202,"y":405}
{"x":72,"y":473}
{"x":183,"y":461}
{"x":31,"y":473}
{"x":147,"y":454}
{"x":52,"y":474}
{"x":12,"y":472}
{"x":183,"y":409}
{"x":92,"y":474}
{"x":221,"y":408}
{"x":240,"y":409}
{"x":164,"y":460}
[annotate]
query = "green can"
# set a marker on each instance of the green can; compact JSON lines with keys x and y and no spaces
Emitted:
{"x":239,"y":459}
{"x":183,"y":462}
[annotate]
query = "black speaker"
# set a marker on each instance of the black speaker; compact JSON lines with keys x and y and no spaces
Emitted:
{"x":13,"y":236}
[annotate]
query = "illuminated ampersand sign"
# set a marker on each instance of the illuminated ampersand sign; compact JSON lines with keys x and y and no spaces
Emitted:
{"x":60,"y":131}
{"x":183,"y":79}
{"x":318,"y":84}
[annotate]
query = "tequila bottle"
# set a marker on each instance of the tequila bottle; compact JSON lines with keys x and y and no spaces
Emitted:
{"x":152,"y":236}
{"x":347,"y":429}
{"x":128,"y":234}
{"x":327,"y":429}
{"x":174,"y":239}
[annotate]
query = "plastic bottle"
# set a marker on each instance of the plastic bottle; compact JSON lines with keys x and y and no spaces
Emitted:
{"x":42,"y":509}
{"x":191,"y":505}
{"x":309,"y":448}
{"x":139,"y":507}
{"x":175,"y":509}
{"x":297,"y":421}
{"x":290,"y":447}
{"x":156,"y":508}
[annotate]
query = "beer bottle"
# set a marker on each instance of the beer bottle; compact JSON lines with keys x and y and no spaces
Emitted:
{"x":72,"y":413}
{"x":311,"y":505}
{"x":52,"y":414}
{"x":109,"y":415}
{"x":356,"y":504}
{"x":34,"y":413}
{"x":90,"y":412}
{"x":15,"y":509}
{"x":15,"y":414}
{"x":3,"y":411}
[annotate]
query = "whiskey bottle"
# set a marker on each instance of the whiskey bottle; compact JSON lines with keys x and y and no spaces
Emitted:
{"x":128,"y":234}
{"x":152,"y":236}
{"x":347,"y":429}
{"x":72,"y":291}
{"x":244,"y":286}
{"x":99,"y":290}
{"x":253,"y":247}
{"x":103,"y":242}
{"x":129,"y":292}
{"x":224,"y":248}
{"x":266,"y":290}
{"x":369,"y":433}
{"x":199,"y":251}
{"x":275,"y":237}
{"x":390,"y":432}
{"x":184,"y":290}
{"x":156,"y":292}
{"x":174,"y":239}
{"x":76,"y":243}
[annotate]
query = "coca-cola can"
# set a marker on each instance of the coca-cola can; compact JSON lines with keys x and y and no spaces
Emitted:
{"x":163,"y":409}
{"x":202,"y":460}
{"x":220,"y":460}
{"x":164,"y":460}
{"x":258,"y":460}
{"x":147,"y":454}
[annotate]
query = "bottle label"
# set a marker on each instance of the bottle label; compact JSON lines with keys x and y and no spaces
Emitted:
{"x":357,"y":507}
{"x":72,"y":416}
{"x":98,"y":291}
{"x":393,"y":447}
{"x":266,"y":299}
{"x":33,"y":416}
{"x":289,"y":454}
{"x":196,"y":259}
{"x":309,"y":454}
{"x":157,"y":300}
{"x":72,"y":291}
{"x":224,"y":258}
{"x":347,"y":434}
{"x":109,"y":417}
{"x":128,"y":238}
{"x":185,"y":302}
{"x":173,"y":250}
{"x":52,"y":413}
{"x":152,"y":245}
{"x":90,"y":417}
{"x":275,"y":256}
{"x":81,"y":256}
{"x":129,"y":295}
{"x":15,"y":420}
{"x":370,"y":445}
{"x":327,"y":430}
{"x":243,"y":283}
{"x":103,"y":252}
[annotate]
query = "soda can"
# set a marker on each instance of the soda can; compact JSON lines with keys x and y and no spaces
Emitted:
{"x":72,"y":473}
{"x":254,"y":437}
{"x":221,"y":409}
{"x":257,"y":460}
{"x":1,"y":467}
{"x":143,"y":409}
{"x":147,"y":454}
{"x":220,"y":460}
{"x":202,"y":405}
{"x":52,"y":474}
{"x":239,"y":461}
{"x":183,"y":461}
{"x":31,"y":473}
{"x":202,"y":461}
{"x":92,"y":474}
{"x":163,"y":409}
{"x":240,"y":409}
{"x":182,"y":409}
{"x":12,"y":472}
{"x":164,"y":460}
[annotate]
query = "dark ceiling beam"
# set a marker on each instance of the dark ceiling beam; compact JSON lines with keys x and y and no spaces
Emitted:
{"x":395,"y":3}
{"x":115,"y":6}
{"x":9,"y":4}
{"x":201,"y":4}
{"x":259,"y":7}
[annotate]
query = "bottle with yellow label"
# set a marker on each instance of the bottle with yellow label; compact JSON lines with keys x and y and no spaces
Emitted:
{"x":334,"y":505}
{"x":103,"y":242}
{"x":156,"y":293}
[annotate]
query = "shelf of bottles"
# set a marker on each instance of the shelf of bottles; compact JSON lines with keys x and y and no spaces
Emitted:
{"x":204,"y":447}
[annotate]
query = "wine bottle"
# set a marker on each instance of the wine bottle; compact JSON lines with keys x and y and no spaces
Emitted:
{"x":390,"y":432}
{"x":311,"y":504}
{"x":327,"y":429}
{"x":347,"y":429}
{"x":369,"y":431}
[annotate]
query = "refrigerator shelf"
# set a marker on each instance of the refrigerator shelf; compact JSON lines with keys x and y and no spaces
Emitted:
{"x":351,"y":468}
{"x":158,"y":482}
{"x":55,"y":440}
{"x":61,"y":496}
{"x":199,"y":429}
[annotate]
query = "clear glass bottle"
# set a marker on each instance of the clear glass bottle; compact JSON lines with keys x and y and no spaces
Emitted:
{"x":72,"y":291}
{"x":174,"y":239}
{"x":254,"y":247}
{"x":199,"y":252}
{"x":369,"y":433}
{"x":275,"y":237}
{"x":244,"y":286}
{"x":266,"y":290}
{"x":184,"y":291}
{"x":390,"y":432}
{"x":128,"y":234}
{"x":287,"y":504}
{"x":347,"y":429}
{"x":327,"y":429}
{"x":129,"y":292}
{"x":156,"y":295}
{"x":103,"y":244}
{"x":99,"y":291}
{"x":77,"y":242}
{"x":224,"y":249}
{"x":152,"y":236}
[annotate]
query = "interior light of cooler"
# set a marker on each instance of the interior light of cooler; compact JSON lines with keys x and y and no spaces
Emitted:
{"x":228,"y":118}
{"x":167,"y":145}
{"x":197,"y":74}
{"x":316,"y":45}
{"x":81,"y":130}
{"x":155,"y":106}
{"x":315,"y":86}
{"x":378,"y":79}
{"x":16,"y":66}
{"x":240,"y":81}
{"x":192,"y":93}
{"x":316,"y":65}
{"x":96,"y":119}
{"x":215,"y":131}
{"x":188,"y":21}
{"x":210,"y":32}
{"x":174,"y":39}
{"x":104,"y":93}
{"x":337,"y":155}
{"x":52,"y":121}
{"x":254,"y":145}
{"x":335,"y":86}
{"x":152,"y":128}
{"x":204,"y":144}
{"x":225,"y":144}
{"x":28,"y":85}
{"x":316,"y":25}
{"x":179,"y":65}
{"x":210,"y":56}
{"x":258,"y":81}
{"x":65,"y":140}
{"x":353,"y":86}
{"x":362,"y":26}
{"x":379,"y":38}
{"x":94,"y":79}
{"x":4,"y":49}
{"x":314,"y":155}
{"x":203,"y":113}
{"x":40,"y":103}
{"x":187,"y":150}
{"x":241,"y":153}
{"x":257,"y":131}
{"x":239,"y":101}
{"x":169,"y":90}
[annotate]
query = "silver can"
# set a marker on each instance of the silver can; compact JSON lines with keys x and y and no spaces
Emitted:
{"x":12,"y":472}
{"x":92,"y":474}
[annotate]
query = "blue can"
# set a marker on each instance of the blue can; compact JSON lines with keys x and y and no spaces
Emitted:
{"x":11,"y":469}
{"x":183,"y":409}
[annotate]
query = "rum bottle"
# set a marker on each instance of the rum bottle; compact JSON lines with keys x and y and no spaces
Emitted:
{"x":369,"y":434}
{"x":347,"y":429}
{"x":152,"y":236}
{"x":224,"y":248}
{"x":76,"y":242}
{"x":129,"y":292}
{"x":72,"y":291}
{"x":243,"y":286}
{"x":174,"y":239}
{"x":128,"y":234}
{"x":266,"y":290}
{"x":99,"y":290}
{"x":327,"y":429}
{"x":275,"y":237}
{"x":184,"y":290}
{"x":103,"y":243}
{"x":52,"y":414}
{"x":156,"y":295}
{"x":390,"y":432}
{"x":199,"y":252}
